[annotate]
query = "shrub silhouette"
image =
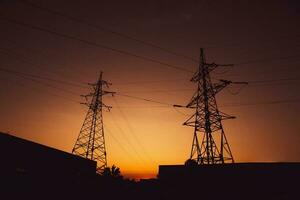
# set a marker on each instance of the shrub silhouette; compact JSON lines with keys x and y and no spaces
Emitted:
{"x":113,"y":172}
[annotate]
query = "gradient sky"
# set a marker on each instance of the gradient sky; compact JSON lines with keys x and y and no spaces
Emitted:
{"x":261,"y":37}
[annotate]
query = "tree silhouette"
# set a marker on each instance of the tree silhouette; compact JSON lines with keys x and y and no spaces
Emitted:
{"x":106,"y":172}
{"x":113,"y":172}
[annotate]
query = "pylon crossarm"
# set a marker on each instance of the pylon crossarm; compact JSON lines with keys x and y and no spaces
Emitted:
{"x":107,"y":84}
{"x":226,"y":116}
{"x":107,"y":92}
{"x":240,"y":82}
{"x":217,"y":87}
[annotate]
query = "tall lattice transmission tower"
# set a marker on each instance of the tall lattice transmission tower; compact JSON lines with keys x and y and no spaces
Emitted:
{"x":210,"y":145}
{"x":90,"y":143}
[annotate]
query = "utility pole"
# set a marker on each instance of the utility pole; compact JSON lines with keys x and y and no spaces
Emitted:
{"x":90,"y":143}
{"x":210,"y":145}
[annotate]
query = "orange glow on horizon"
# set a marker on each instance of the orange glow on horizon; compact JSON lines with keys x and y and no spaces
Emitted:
{"x":146,"y":138}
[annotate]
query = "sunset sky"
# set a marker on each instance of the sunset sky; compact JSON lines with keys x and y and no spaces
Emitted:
{"x":262,"y":39}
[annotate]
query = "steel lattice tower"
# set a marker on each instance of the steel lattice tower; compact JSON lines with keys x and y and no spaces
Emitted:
{"x":90,"y":143}
{"x":207,"y":120}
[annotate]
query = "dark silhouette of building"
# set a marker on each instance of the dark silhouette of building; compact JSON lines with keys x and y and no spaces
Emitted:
{"x":29,"y":170}
{"x":23,"y":157}
{"x":230,"y":181}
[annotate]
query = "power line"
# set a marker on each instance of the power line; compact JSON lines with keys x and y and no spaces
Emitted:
{"x":32,"y":77}
{"x":270,"y":69}
{"x":263,"y":103}
{"x":254,"y":83}
{"x":164,"y":105}
{"x":263,"y":60}
{"x":64,"y":90}
{"x":144,"y":99}
{"x":146,"y":82}
{"x":127,"y":140}
{"x":117,"y":50}
{"x":23,"y":59}
{"x":241,"y":87}
{"x":254,"y":103}
{"x":131,"y":130}
{"x":262,"y":83}
{"x":104,"y":29}
{"x":119,"y":144}
{"x":274,"y":80}
{"x":265,"y":41}
{"x":101,"y":28}
{"x":51,"y":86}
{"x":159,"y":91}
{"x":41,"y":77}
{"x":90,"y":43}
{"x":178,"y":111}
{"x":17,"y":57}
{"x":43,"y":83}
{"x":222,"y":105}
{"x":181,"y":80}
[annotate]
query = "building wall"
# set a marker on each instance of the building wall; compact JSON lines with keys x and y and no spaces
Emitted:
{"x":23,"y":157}
{"x":237,"y":181}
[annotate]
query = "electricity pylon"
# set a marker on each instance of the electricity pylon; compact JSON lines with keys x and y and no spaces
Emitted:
{"x":207,"y":120}
{"x":90,"y":143}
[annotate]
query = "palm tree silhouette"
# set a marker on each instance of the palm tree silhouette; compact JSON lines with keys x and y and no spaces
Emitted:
{"x":113,"y":172}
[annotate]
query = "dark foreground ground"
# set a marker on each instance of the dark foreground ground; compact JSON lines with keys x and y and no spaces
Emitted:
{"x":32,"y":171}
{"x":192,"y":185}
{"x":231,"y":181}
